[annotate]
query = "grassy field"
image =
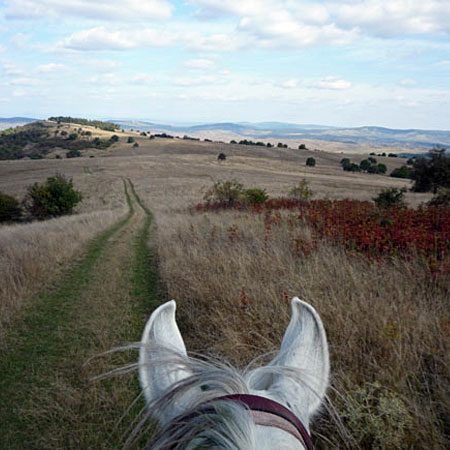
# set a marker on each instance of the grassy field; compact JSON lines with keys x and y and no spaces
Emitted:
{"x":387,"y":323}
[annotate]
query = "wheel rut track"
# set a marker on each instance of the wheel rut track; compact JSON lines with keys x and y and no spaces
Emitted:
{"x":46,"y":398}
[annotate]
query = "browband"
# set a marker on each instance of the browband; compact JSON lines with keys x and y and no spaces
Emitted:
{"x":257,"y":403}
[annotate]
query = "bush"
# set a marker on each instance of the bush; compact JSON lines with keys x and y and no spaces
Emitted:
{"x":442,"y":198}
{"x":130,"y":139}
{"x":301,"y":192}
{"x":390,"y":197}
{"x":72,"y":137}
{"x":74,"y":153}
{"x":255,"y":196}
{"x":225,"y":191}
{"x":310,"y":162}
{"x":9,"y":208}
{"x":302,"y":147}
{"x":135,"y":145}
{"x":402,"y":172}
{"x":55,"y":197}
{"x":378,"y":417}
{"x":114,"y":138}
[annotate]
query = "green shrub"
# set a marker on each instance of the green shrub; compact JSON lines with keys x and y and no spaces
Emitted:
{"x":377,"y":417}
{"x":72,"y":137}
{"x":255,"y":196}
{"x":310,"y":162}
{"x":135,"y":145}
{"x":74,"y":153}
{"x":114,"y":138}
{"x":390,"y":197}
{"x":302,"y":147}
{"x":225,"y":191}
{"x":55,"y":197}
{"x":130,"y":139}
{"x":442,"y":198}
{"x":402,"y":172}
{"x":9,"y":208}
{"x":301,"y":191}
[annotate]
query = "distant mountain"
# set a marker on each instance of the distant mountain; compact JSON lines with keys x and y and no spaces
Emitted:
{"x":12,"y":122}
{"x":380,"y":136}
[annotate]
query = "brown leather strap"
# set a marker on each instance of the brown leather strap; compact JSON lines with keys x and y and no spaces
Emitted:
{"x":257,"y":403}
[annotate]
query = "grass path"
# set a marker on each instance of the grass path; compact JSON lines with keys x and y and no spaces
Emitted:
{"x":46,"y":399}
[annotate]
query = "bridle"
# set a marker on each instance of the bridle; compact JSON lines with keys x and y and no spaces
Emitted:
{"x":267,"y":412}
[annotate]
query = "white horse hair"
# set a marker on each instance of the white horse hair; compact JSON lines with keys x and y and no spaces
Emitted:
{"x":180,"y":391}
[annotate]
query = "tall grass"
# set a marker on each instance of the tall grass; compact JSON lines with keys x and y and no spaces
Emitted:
{"x":31,"y":255}
{"x":388,"y":323}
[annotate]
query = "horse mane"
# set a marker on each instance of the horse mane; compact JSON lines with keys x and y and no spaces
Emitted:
{"x":206,"y":423}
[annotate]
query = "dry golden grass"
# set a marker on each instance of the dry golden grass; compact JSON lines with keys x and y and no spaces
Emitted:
{"x":385,"y":323}
{"x":33,"y":254}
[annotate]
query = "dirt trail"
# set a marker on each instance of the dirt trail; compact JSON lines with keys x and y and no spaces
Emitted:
{"x":46,"y":399}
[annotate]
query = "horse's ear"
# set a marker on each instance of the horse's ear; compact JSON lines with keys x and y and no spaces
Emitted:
{"x":305,"y":349}
{"x":161,"y":353}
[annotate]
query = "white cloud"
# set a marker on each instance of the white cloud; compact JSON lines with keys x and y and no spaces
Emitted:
{"x":114,"y":10}
{"x":100,"y":38}
{"x":141,"y":78}
{"x":196,"y":81}
{"x":200,"y":63}
{"x":25,"y":81}
{"x":12,"y":69}
{"x":332,"y":83}
{"x":297,"y":23}
{"x":395,"y":17}
{"x":407,"y":82}
{"x":50,"y":68}
{"x":289,"y":84}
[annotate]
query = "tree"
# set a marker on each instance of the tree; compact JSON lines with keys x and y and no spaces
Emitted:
{"x":55,"y":197}
{"x":432,"y":172}
{"x":364,"y":164}
{"x":381,"y":168}
{"x":310,"y":162}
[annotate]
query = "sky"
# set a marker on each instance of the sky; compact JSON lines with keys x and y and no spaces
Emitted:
{"x":340,"y":63}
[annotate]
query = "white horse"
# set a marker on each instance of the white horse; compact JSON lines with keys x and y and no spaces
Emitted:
{"x":205,"y":405}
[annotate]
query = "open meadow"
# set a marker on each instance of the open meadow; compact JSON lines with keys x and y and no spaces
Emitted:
{"x":232,"y":272}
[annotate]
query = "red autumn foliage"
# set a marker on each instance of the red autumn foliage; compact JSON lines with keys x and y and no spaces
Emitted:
{"x":362,"y":227}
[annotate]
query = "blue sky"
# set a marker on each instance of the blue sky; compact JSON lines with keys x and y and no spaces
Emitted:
{"x":341,"y":63}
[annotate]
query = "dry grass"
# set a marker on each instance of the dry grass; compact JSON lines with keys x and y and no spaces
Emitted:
{"x":387,"y":324}
{"x":32,"y":255}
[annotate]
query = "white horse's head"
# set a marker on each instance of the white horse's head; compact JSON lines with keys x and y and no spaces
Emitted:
{"x":176,"y":386}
